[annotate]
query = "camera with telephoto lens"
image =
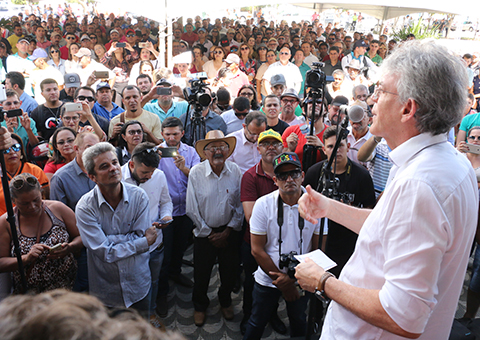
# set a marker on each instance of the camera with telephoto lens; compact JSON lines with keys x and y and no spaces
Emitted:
{"x":197,"y":94}
{"x":290,"y":262}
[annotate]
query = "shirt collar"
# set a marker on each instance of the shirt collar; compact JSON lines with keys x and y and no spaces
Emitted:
{"x":101,"y":199}
{"x":407,"y":150}
{"x":209,"y":170}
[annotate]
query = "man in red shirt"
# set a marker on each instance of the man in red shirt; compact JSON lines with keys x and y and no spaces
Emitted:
{"x":189,"y":36}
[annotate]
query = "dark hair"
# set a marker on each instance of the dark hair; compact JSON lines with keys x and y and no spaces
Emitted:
{"x":172,"y":122}
{"x":47,"y":82}
{"x":469,"y":96}
{"x":121,"y":142}
{"x":150,"y":159}
{"x":11,"y":93}
{"x":223,"y":94}
{"x":144,"y":76}
{"x":57,"y":157}
{"x":375,"y":41}
{"x":256,"y":116}
{"x":329,"y":132}
{"x":253,"y":103}
{"x":271,"y":95}
{"x":87,"y":88}
{"x":241,"y":104}
{"x":131,"y":87}
{"x":334,"y":48}
{"x":323,"y":44}
{"x":16,"y":78}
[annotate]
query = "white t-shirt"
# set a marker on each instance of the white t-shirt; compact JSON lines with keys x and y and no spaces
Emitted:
{"x":291,"y":72}
{"x":264,"y":222}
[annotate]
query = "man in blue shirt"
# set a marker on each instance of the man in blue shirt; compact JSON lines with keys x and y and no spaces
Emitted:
{"x":163,"y":105}
{"x":16,"y":81}
{"x":114,"y":223}
{"x":104,"y":106}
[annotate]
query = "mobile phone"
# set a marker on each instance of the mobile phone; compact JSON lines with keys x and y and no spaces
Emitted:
{"x":164,"y":91}
{"x":14,"y":113}
{"x":120,"y":44}
{"x":169,"y":152}
{"x":55,"y":248}
{"x":162,"y":222}
{"x":472,"y":148}
{"x":73,"y":107}
{"x":101,"y":74}
{"x":142,"y":45}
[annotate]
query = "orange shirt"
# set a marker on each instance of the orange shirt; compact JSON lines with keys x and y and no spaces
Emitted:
{"x":25,"y":168}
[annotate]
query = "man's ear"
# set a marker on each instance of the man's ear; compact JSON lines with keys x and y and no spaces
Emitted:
{"x":410,"y":108}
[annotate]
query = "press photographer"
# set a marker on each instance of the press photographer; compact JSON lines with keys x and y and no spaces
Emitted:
{"x":200,"y":118}
{"x":347,"y":182}
{"x":277,"y":230}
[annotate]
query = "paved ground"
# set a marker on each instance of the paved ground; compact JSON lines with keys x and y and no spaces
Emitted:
{"x":180,"y":316}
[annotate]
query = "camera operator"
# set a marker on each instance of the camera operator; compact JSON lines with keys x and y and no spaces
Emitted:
{"x":353,"y":185}
{"x":211,"y":119}
{"x":274,"y":233}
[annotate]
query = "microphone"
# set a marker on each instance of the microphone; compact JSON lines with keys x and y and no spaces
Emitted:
{"x":356,"y":113}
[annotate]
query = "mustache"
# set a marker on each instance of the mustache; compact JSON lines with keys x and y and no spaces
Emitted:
{"x":219,"y":155}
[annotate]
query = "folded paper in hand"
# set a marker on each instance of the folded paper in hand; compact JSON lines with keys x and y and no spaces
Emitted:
{"x":319,"y":258}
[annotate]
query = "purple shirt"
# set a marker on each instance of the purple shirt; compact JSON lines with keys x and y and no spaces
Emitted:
{"x":176,"y":179}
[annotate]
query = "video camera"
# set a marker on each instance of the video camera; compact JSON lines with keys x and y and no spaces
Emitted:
{"x":197,"y":94}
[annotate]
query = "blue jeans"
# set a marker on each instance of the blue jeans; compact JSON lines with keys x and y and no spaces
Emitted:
{"x":155,"y":263}
{"x":265,"y":302}
{"x":475,"y":280}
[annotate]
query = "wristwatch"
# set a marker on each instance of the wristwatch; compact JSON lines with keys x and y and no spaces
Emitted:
{"x":320,"y":289}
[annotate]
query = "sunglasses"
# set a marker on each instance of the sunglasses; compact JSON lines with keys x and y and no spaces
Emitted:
{"x":130,"y":35}
{"x":474,"y":137}
{"x":89,"y":98}
{"x":54,"y":51}
{"x":218,"y":52}
{"x":70,"y":38}
{"x":294,"y":174}
{"x":15,"y":148}
{"x":135,"y":132}
{"x":284,"y":53}
{"x":11,"y":103}
{"x":244,"y":49}
{"x":70,"y":140}
{"x":269,"y":144}
{"x":20,"y":182}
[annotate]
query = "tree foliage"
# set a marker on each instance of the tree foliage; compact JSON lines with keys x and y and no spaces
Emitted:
{"x":420,"y":30}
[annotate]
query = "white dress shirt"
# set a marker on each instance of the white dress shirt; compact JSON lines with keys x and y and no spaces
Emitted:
{"x":415,"y":244}
{"x":246,"y":154}
{"x":291,"y":72}
{"x":214,"y":201}
{"x":159,"y":201}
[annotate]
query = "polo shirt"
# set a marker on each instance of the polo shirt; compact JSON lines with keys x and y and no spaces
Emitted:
{"x":151,"y":121}
{"x":176,"y":110}
{"x":102,"y":111}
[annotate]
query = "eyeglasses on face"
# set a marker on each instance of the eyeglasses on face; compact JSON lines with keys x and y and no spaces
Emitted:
{"x":474,"y":138}
{"x":68,"y":119}
{"x":246,"y":94}
{"x":135,"y":132}
{"x":269,"y":144}
{"x":11,"y":103}
{"x":214,"y":149}
{"x":54,"y":51}
{"x":294,"y":174}
{"x":89,"y":98}
{"x":15,"y":148}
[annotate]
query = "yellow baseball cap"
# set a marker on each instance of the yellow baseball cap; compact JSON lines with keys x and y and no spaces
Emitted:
{"x":269,"y":134}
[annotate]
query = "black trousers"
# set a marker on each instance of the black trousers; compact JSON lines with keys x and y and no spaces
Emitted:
{"x":204,"y":257}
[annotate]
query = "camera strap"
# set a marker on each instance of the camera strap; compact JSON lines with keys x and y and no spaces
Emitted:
{"x":301,"y":224}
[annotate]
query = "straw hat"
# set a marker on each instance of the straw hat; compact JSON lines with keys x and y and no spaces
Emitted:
{"x":215,"y":136}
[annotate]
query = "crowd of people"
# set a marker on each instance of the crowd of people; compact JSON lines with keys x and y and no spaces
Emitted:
{"x":116,"y":164}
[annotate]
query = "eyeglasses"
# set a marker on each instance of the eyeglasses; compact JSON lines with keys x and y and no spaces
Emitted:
{"x":89,"y":98}
{"x":217,"y":52}
{"x":361,"y":96}
{"x":135,"y":132}
{"x":54,"y":51}
{"x":246,"y":94}
{"x":271,"y":56}
{"x":130,"y":35}
{"x":15,"y":148}
{"x":284,"y":53}
{"x":474,"y":137}
{"x":250,"y":133}
{"x":68,"y":119}
{"x":70,"y":38}
{"x":69,"y":140}
{"x":262,"y":49}
{"x":20,"y":182}
{"x":378,"y":91}
{"x":289,"y":101}
{"x":245,"y":49}
{"x":11,"y":103}
{"x":294,"y":174}
{"x":269,"y":144}
{"x":214,"y":149}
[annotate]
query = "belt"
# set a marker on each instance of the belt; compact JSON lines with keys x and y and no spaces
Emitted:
{"x":160,"y":246}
